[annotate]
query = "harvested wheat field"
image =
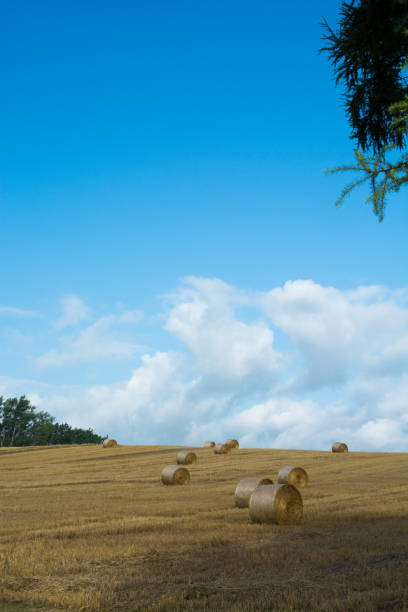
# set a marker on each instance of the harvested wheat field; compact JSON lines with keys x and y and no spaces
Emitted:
{"x":88,"y":528}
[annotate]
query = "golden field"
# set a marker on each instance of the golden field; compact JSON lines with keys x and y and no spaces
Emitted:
{"x":88,"y":528}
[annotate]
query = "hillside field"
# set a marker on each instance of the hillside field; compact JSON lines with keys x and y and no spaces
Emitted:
{"x":88,"y":528}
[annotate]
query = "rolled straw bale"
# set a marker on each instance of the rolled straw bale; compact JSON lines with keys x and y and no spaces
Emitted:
{"x":221,"y":449}
{"x":232,"y":443}
{"x":339,"y":447}
{"x":209,"y":444}
{"x":280,"y":503}
{"x":109,"y":443}
{"x":186,"y":457}
{"x":175,"y":475}
{"x":295,"y":476}
{"x":246,"y":487}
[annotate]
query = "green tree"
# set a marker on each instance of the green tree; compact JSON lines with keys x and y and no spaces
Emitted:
{"x":61,"y":434}
{"x":21,"y":425}
{"x":368,"y":55}
{"x":41,"y":431}
{"x":85,"y":436}
{"x":17,"y":417}
{"x":65,"y":434}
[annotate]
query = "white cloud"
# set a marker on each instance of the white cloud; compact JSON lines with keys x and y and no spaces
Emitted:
{"x":150,"y":404}
{"x":336,"y":331}
{"x":343,"y":378}
{"x":224,"y":348}
{"x":74,"y":311}
{"x":13,"y":387}
{"x":98,"y":341}
{"x":379,"y":434}
{"x":19,"y":312}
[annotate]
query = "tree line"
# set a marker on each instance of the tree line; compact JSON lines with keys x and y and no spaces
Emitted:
{"x":22,"y":425}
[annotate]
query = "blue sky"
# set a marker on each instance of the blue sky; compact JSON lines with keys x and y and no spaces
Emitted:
{"x":162,"y":196}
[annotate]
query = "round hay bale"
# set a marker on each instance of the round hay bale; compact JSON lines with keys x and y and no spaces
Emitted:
{"x":295,"y":476}
{"x":175,"y":475}
{"x":109,"y":443}
{"x":281,"y":504}
{"x":246,"y":487}
{"x":339,"y":447}
{"x":221,"y":449}
{"x":232,"y":443}
{"x":209,"y":444}
{"x":186,"y":457}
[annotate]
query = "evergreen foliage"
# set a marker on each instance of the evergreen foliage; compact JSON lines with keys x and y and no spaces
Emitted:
{"x":367,"y":54}
{"x":21,"y":425}
{"x":370,"y":54}
{"x":383,"y":176}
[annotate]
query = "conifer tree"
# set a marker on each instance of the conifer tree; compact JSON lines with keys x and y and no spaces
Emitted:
{"x":369,"y":56}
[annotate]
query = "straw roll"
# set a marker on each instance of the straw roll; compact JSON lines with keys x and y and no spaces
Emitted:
{"x":221,"y":449}
{"x":339,"y":447}
{"x":281,"y":504}
{"x":295,"y":476}
{"x":209,"y":444}
{"x":246,"y":487}
{"x":109,"y":443}
{"x":175,"y":475}
{"x":232,"y":443}
{"x":186,"y":457}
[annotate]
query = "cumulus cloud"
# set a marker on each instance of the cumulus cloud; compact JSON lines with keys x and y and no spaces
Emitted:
{"x":338,"y":331}
{"x":224,"y":348}
{"x":378,"y":434}
{"x":339,"y":374}
{"x":150,"y":404}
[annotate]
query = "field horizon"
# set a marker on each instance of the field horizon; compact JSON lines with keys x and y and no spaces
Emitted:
{"x":90,"y":528}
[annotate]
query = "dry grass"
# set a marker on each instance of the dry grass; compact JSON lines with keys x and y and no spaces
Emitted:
{"x":87,"y":528}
